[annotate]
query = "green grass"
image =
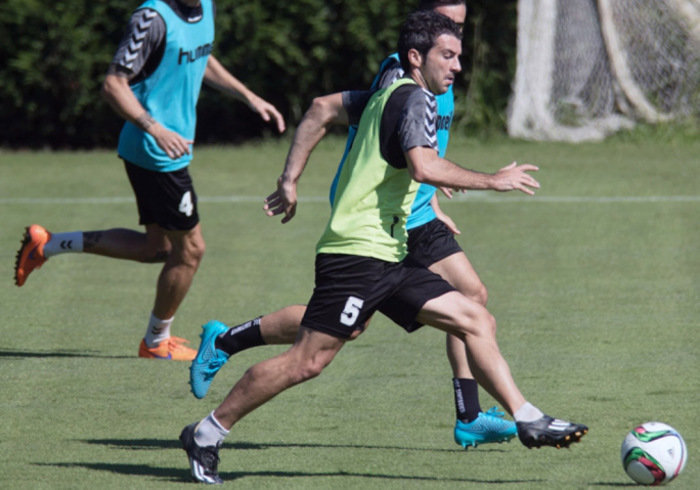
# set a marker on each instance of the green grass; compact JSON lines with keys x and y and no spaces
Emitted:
{"x":594,"y":283}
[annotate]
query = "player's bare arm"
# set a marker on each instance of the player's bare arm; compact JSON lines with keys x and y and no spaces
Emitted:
{"x":425,"y":165}
{"x":324,"y":112}
{"x":218,"y":77}
{"x":118,"y":94}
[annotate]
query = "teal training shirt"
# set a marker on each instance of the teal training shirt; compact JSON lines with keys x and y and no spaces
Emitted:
{"x":421,"y":210}
{"x":170,"y":93}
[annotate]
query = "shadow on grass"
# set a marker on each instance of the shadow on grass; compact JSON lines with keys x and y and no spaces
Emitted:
{"x":178,"y":474}
{"x":613,"y":484}
{"x":175,"y":444}
{"x":17,"y":354}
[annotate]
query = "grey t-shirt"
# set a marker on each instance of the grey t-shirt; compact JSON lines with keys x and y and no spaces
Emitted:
{"x":141,"y":48}
{"x":408,"y":120}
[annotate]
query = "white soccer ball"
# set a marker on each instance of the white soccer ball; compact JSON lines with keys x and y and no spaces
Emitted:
{"x":653,"y":453}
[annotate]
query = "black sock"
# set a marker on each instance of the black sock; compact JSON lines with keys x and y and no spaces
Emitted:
{"x":466,"y":399}
{"x":240,"y":337}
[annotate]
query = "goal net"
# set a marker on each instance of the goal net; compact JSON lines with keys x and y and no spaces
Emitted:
{"x":587,"y":68}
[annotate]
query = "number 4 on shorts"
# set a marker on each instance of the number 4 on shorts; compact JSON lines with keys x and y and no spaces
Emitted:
{"x":186,"y":207}
{"x":352,"y":311}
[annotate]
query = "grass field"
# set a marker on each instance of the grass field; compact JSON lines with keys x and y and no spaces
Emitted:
{"x":595,"y":284}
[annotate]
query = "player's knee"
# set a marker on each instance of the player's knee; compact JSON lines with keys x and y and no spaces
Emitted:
{"x":308,"y":369}
{"x":487,"y":323}
{"x":197,"y":250}
{"x":478,"y":321}
{"x":475,"y":291}
{"x":480,"y":295}
{"x":192,"y":252}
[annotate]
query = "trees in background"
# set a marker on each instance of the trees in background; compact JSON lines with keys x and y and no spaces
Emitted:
{"x":54,"y":56}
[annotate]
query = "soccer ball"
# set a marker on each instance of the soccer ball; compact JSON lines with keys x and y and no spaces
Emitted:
{"x":653,"y":453}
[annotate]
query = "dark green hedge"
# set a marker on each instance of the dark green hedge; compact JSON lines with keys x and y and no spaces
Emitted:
{"x":54,"y":56}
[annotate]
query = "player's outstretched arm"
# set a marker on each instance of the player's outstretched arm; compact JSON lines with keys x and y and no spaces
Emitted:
{"x":425,"y":165}
{"x":324,"y":112}
{"x":220,"y":78}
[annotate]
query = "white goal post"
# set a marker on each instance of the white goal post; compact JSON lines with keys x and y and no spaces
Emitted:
{"x":587,"y":68}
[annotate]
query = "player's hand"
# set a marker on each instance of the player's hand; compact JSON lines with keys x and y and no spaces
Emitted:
{"x":447,"y":191}
{"x":268,"y":112}
{"x":170,"y":142}
{"x":283,"y":200}
{"x":449,"y":222}
{"x":516,"y":177}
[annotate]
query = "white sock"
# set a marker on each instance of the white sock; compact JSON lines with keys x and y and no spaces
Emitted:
{"x":209,"y":432}
{"x":158,"y":330}
{"x":62,"y":243}
{"x":527,"y":413}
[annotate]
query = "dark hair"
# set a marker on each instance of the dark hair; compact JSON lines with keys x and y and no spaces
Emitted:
{"x":419,"y":32}
{"x":433,"y":4}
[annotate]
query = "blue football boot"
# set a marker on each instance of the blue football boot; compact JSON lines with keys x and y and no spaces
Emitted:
{"x":489,"y":426}
{"x":209,"y":359}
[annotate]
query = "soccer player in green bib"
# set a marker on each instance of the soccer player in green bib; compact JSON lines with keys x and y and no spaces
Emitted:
{"x":431,"y":242}
{"x":360,"y":266}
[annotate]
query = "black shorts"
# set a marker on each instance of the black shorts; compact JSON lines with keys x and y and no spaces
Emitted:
{"x":164,"y":198}
{"x":431,"y":242}
{"x":350,"y":288}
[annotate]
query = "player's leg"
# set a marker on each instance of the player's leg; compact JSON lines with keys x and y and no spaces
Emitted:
{"x":167,"y":204}
{"x":174,"y":281}
{"x":456,"y":314}
{"x":458,"y":271}
{"x":309,"y":355}
{"x":39,"y":244}
{"x":348,"y":290}
{"x":304,"y":360}
{"x":120,"y":243}
{"x":471,"y":322}
{"x":219,"y":342}
{"x":154,"y":192}
{"x":433,"y":245}
{"x":282,"y":326}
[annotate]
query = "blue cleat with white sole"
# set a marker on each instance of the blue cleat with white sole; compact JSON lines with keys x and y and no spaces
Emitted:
{"x":209,"y":359}
{"x":489,"y":426}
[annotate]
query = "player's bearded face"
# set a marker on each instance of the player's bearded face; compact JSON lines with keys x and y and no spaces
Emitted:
{"x":441,"y":64}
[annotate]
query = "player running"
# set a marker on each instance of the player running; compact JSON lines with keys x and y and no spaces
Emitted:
{"x":154,"y":83}
{"x":431,"y":243}
{"x":360,"y":266}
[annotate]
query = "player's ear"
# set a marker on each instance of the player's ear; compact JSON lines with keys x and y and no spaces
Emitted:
{"x":415,"y":58}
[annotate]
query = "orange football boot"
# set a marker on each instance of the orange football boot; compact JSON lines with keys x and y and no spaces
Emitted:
{"x":30,"y":255}
{"x":171,"y":349}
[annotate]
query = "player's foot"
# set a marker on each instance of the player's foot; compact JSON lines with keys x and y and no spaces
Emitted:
{"x":209,"y":359}
{"x":172,"y":349}
{"x":548,"y":431}
{"x":489,"y":426}
{"x":30,"y":255}
{"x":204,"y":461}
